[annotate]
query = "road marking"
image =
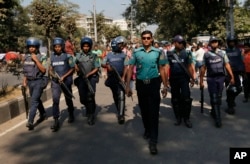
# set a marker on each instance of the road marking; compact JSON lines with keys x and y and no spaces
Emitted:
{"x":24,"y":121}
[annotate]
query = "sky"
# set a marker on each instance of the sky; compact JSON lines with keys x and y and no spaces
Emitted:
{"x":110,"y":8}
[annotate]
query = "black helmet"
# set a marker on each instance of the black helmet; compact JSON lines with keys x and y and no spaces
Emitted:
{"x":213,"y":38}
{"x":233,"y":90}
{"x":179,"y":39}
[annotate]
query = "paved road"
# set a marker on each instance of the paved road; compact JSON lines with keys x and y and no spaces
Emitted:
{"x":109,"y":142}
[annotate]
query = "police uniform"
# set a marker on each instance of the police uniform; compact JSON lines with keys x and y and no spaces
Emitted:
{"x":61,"y":64}
{"x":89,"y":62}
{"x":118,"y":61}
{"x":214,"y":62}
{"x":179,"y":82}
{"x":236,"y":62}
{"x":35,"y":83}
{"x":148,"y":86}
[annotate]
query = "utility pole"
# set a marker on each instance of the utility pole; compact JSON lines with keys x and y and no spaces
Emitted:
{"x":95,"y":28}
{"x":230,"y":18}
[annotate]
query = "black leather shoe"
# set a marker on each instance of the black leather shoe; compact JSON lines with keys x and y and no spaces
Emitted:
{"x":218,"y":123}
{"x":188,"y":123}
{"x":178,"y":122}
{"x":30,"y":125}
{"x":71,"y":118}
{"x":121,"y":119}
{"x":91,"y":119}
{"x":55,"y":127}
{"x":153,"y":148}
{"x":42,"y":117}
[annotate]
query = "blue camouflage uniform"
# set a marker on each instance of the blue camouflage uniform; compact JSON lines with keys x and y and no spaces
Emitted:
{"x":35,"y":83}
{"x":148,"y":87}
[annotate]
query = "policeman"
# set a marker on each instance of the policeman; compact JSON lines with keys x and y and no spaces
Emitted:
{"x":34,"y":69}
{"x":235,"y":57}
{"x":181,"y":65}
{"x":149,"y":61}
{"x":90,"y":63}
{"x":118,"y":60}
{"x":63,"y":65}
{"x":214,"y":62}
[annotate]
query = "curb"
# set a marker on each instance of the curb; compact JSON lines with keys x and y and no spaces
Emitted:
{"x":15,"y":107}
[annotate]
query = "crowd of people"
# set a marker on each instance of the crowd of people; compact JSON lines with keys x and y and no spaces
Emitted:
{"x":150,"y":66}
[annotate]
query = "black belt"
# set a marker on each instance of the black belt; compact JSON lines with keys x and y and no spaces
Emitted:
{"x":147,"y":81}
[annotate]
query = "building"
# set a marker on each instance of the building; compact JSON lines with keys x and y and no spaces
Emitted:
{"x":86,"y":22}
{"x":122,"y":23}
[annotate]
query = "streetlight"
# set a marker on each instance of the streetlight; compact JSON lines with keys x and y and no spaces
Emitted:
{"x":131,"y":20}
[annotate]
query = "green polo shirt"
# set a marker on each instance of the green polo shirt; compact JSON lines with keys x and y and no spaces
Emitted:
{"x":147,"y":63}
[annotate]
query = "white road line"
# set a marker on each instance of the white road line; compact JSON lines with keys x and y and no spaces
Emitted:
{"x":24,"y":121}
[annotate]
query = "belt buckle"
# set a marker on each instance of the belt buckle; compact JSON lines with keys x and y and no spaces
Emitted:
{"x":146,"y":81}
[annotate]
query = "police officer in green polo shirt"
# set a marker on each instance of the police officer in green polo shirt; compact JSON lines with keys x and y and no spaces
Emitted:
{"x":149,"y":62}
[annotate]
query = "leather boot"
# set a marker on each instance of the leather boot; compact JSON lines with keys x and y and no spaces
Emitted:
{"x":176,"y":109}
{"x":42,"y":117}
{"x":91,"y":119}
{"x":71,"y":117}
{"x":186,"y":112}
{"x":231,"y":104}
{"x":55,"y":127}
{"x":218,"y":123}
{"x":30,"y":125}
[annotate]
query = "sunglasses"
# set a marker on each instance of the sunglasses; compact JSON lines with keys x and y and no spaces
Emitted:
{"x":146,"y":38}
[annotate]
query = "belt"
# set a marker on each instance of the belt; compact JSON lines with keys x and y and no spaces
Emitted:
{"x":147,"y":81}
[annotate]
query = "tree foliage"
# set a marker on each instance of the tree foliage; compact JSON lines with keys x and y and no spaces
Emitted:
{"x":13,"y":21}
{"x":185,"y":17}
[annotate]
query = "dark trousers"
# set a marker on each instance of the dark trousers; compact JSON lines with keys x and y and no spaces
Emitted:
{"x":215,"y":85}
{"x":149,"y":103}
{"x":180,"y":87}
{"x":86,"y":98}
{"x":246,"y":85}
{"x":56,"y":94}
{"x":36,"y":90}
{"x":119,"y":97}
{"x":180,"y":96}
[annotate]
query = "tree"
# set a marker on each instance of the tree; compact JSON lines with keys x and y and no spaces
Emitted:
{"x":49,"y":14}
{"x":12,"y":24}
{"x":185,"y":17}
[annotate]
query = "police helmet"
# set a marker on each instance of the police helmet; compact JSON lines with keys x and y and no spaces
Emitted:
{"x":213,"y":38}
{"x":32,"y":42}
{"x":114,"y":46}
{"x":179,"y":39}
{"x":232,"y":39}
{"x":86,"y":40}
{"x":234,"y":90}
{"x":164,"y":42}
{"x":58,"y":41}
{"x":121,"y":39}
